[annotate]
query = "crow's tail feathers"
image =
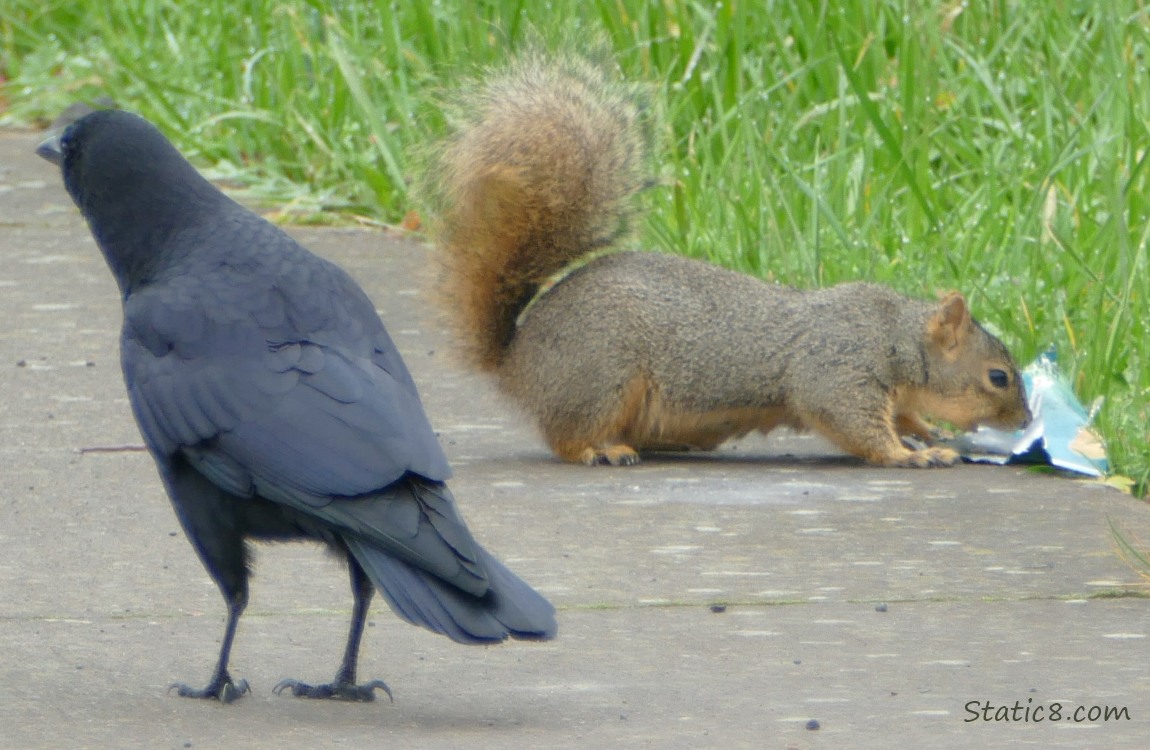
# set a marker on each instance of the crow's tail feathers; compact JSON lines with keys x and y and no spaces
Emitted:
{"x":510,"y":608}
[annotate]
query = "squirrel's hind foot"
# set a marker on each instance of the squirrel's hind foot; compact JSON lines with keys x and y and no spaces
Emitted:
{"x":613,"y":455}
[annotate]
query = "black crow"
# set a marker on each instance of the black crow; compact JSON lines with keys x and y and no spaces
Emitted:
{"x":276,"y":405}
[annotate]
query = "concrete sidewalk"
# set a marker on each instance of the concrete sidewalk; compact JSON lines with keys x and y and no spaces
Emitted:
{"x":878,"y":603}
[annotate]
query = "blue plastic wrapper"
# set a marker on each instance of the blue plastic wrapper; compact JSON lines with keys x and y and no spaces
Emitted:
{"x":1059,"y":436}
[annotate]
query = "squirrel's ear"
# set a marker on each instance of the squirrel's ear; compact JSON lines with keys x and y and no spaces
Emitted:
{"x":949,"y":324}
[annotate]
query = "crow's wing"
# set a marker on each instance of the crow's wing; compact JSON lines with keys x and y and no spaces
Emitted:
{"x":291,"y":389}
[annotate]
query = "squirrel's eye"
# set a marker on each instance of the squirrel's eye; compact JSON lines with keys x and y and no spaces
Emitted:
{"x":998,"y":378}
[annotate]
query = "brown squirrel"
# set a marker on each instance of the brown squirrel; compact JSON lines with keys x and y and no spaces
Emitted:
{"x":644,"y":351}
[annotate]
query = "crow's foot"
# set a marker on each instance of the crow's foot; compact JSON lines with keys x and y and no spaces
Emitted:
{"x":224,"y":691}
{"x":340,"y":691}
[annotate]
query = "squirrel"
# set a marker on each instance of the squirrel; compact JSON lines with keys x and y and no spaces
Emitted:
{"x":631,"y":351}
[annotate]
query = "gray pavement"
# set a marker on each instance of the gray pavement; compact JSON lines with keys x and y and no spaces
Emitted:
{"x":1000,"y":585}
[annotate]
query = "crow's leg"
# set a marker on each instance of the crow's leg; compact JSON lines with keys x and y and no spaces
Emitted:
{"x":213,"y":522}
{"x":221,"y":687}
{"x":344,"y":686}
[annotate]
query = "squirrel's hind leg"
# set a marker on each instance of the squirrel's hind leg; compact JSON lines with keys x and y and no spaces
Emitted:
{"x":603,"y":433}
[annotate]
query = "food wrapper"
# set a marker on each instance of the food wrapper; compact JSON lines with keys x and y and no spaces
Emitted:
{"x":1060,"y":435}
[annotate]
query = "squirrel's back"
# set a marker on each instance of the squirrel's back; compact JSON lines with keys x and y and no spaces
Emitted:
{"x":709,"y":337}
{"x":537,"y":171}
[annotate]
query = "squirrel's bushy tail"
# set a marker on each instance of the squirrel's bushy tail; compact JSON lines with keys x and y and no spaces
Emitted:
{"x":538,"y":169}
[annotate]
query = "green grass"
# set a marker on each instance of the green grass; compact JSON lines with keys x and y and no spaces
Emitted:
{"x":996,"y":147}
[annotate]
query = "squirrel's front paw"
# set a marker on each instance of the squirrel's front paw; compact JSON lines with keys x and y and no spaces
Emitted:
{"x":938,"y":434}
{"x":927,"y":458}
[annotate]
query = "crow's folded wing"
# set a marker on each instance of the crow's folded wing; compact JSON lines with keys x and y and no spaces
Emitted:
{"x":324,"y":424}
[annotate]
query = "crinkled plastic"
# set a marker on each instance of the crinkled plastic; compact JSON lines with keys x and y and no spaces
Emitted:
{"x":1059,"y":436}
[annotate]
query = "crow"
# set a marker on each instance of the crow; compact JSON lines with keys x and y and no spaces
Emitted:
{"x":275,"y":404}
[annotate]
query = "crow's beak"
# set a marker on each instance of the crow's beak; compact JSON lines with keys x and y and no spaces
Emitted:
{"x":50,"y":149}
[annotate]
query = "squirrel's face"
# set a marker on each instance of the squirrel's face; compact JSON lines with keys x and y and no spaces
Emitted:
{"x":983,"y":387}
{"x":1002,"y":386}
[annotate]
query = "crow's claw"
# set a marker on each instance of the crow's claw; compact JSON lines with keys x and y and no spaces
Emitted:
{"x":340,"y":691}
{"x":224,"y":691}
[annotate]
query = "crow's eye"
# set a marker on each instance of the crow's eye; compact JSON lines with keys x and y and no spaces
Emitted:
{"x":999,"y":378}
